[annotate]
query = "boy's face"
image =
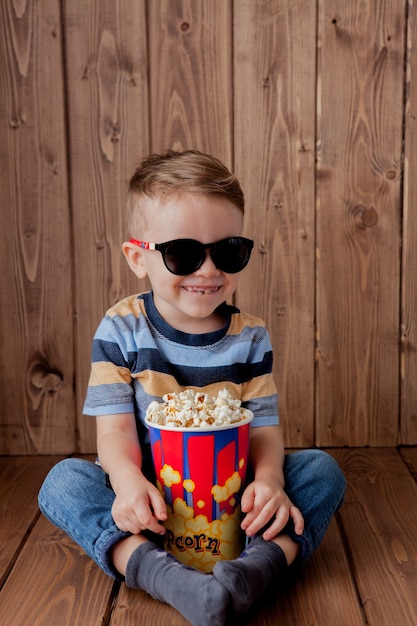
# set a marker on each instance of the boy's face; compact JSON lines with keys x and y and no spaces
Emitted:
{"x":187,"y":303}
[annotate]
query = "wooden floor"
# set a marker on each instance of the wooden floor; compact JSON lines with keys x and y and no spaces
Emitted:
{"x":364,"y":573}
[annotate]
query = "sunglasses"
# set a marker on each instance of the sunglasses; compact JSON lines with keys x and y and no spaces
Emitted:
{"x":186,"y":256}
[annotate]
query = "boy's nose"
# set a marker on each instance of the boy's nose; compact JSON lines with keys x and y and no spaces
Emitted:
{"x":207,"y":268}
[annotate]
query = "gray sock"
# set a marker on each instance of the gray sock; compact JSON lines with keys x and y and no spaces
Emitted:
{"x":247,"y":577}
{"x":199,"y":597}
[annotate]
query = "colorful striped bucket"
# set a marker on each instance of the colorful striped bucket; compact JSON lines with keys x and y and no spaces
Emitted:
{"x":200,"y":474}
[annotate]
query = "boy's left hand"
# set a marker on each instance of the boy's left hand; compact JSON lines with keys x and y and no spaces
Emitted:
{"x":263,"y":500}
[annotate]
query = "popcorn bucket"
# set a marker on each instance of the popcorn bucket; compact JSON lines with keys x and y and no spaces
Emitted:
{"x":200,"y":473}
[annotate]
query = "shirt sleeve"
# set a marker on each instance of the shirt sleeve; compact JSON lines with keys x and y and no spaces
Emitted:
{"x":259,"y":393}
{"x":109,"y":388}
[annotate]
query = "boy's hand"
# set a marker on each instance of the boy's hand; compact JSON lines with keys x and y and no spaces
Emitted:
{"x":139,"y":506}
{"x":262,"y":501}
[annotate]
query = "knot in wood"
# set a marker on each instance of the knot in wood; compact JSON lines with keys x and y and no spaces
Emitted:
{"x":365,"y":217}
{"x":369,"y":217}
{"x":46,"y":381}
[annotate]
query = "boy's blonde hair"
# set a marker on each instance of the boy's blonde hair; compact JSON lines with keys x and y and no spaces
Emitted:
{"x":173,"y":173}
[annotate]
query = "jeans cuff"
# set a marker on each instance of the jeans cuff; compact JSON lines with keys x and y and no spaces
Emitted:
{"x":104,"y":557}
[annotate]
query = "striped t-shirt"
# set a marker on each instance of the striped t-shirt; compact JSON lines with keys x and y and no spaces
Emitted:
{"x":137,"y":357}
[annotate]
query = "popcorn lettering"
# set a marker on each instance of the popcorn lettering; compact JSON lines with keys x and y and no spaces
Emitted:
{"x":199,"y":543}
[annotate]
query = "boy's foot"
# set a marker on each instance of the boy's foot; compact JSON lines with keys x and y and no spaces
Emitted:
{"x":248,"y":576}
{"x":200,"y":598}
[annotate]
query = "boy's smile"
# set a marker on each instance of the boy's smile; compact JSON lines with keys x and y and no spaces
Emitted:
{"x":188,"y":303}
{"x":201,"y":291}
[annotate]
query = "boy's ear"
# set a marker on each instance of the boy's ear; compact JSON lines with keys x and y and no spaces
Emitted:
{"x":134,"y":257}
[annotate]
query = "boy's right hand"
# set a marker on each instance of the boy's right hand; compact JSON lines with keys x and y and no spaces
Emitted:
{"x":139,"y":506}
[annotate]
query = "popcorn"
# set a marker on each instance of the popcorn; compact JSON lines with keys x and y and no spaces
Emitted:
{"x":191,"y":409}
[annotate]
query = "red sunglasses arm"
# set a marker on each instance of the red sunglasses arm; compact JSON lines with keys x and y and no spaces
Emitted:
{"x":146,"y":245}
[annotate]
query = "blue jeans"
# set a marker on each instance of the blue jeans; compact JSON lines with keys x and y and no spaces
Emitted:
{"x":77,"y":497}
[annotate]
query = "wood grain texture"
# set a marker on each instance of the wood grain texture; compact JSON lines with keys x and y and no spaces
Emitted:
{"x":137,"y":608}
{"x":73,"y":590}
{"x":109,"y":122}
{"x":36,"y":329}
{"x":310,"y":103}
{"x":358,"y":221}
{"x":190,"y":76}
{"x":410,"y":458}
{"x":20,"y":481}
{"x":274,"y":77}
{"x":408,"y":420}
{"x":381,"y":526}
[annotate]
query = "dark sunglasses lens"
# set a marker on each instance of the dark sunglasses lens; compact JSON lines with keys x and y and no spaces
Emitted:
{"x":184,"y":256}
{"x":232,"y":255}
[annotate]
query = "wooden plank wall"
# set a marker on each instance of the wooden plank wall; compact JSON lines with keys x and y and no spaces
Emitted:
{"x":312,"y":104}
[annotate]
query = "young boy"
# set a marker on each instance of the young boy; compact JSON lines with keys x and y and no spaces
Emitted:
{"x":185,"y":222}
